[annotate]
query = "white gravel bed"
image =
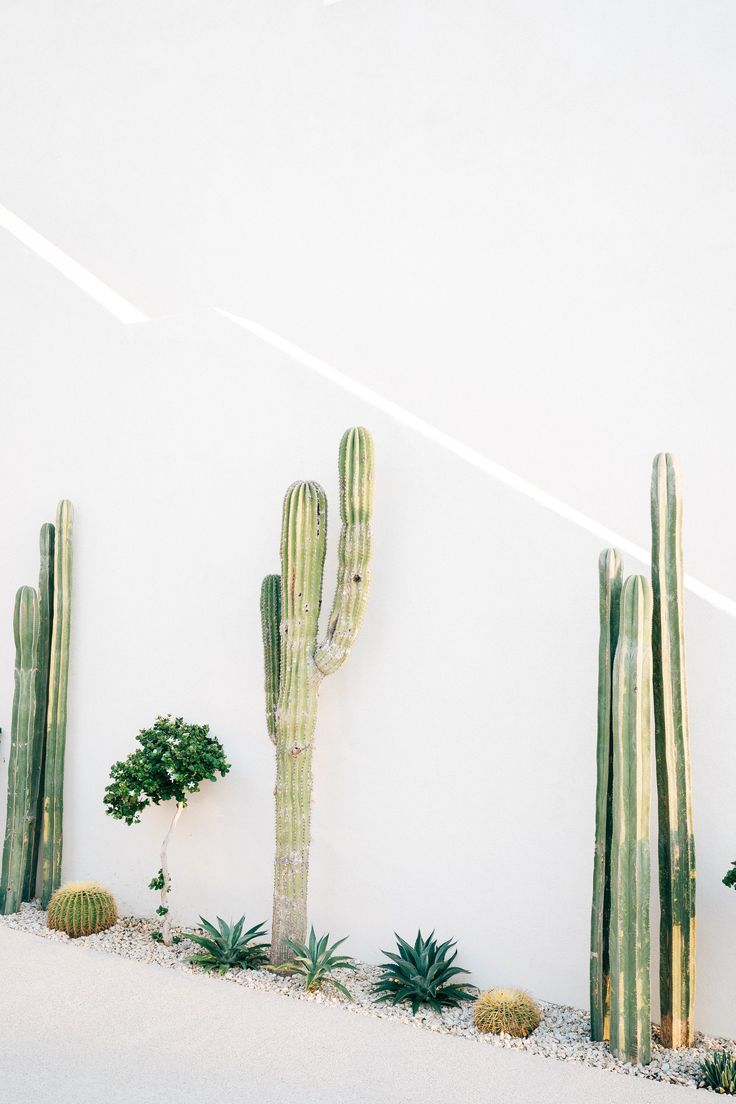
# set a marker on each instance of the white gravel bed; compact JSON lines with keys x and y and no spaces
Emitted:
{"x":562,"y":1034}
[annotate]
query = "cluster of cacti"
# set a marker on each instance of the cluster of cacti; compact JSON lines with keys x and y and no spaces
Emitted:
{"x":38,"y":731}
{"x":642,"y":626}
{"x":81,"y":908}
{"x":506,"y":1012}
{"x":296,"y":663}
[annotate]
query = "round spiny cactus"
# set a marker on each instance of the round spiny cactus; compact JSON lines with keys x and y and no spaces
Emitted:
{"x":507,"y":1012}
{"x":81,"y":908}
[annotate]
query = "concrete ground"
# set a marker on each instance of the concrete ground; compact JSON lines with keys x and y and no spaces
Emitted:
{"x":80,"y":1026}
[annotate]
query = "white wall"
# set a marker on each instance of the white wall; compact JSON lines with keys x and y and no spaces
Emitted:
{"x":513,"y":218}
{"x":455,"y":751}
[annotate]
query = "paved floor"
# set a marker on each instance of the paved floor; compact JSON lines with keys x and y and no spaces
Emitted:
{"x":79,"y":1026}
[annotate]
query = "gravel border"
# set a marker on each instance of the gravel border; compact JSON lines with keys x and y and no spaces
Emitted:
{"x":562,"y":1034}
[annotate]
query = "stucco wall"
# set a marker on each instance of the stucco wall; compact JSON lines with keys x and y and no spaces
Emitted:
{"x":455,"y":751}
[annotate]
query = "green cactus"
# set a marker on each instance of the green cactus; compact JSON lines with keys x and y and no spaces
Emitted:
{"x":506,"y":1012}
{"x":53,"y":800}
{"x":630,"y":850}
{"x":81,"y":908}
{"x":295,"y":662}
{"x":46,"y":604}
{"x":676,"y":839}
{"x":610,"y":570}
{"x":21,"y":808}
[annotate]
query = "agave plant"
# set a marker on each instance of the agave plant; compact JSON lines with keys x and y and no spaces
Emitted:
{"x":316,"y":960}
{"x":230,"y":946}
{"x":422,"y":974}
{"x":718,"y":1072}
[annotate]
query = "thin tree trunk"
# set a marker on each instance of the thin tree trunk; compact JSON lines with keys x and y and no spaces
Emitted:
{"x":166,"y":880}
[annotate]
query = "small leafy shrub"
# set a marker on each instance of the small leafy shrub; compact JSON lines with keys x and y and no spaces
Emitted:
{"x":718,"y":1072}
{"x":506,"y":1012}
{"x":81,"y":908}
{"x":730,"y":878}
{"x":422,"y":974}
{"x":230,"y":946}
{"x":316,"y":960}
{"x":173,"y":759}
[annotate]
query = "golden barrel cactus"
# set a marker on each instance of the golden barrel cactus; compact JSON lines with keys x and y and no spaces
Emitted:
{"x":81,"y":908}
{"x":506,"y":1012}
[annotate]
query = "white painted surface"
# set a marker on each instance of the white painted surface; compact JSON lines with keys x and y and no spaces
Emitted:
{"x":512,"y":220}
{"x":88,"y":283}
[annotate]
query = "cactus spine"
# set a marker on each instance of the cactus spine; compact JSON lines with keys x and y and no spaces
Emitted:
{"x":21,"y":807}
{"x":290,"y":609}
{"x":51,"y":840}
{"x":610,"y":572}
{"x":676,"y":839}
{"x":630,"y":848}
{"x":46,"y":602}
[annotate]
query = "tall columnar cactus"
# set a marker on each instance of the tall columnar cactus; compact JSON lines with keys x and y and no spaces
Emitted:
{"x":296,"y":663}
{"x":676,"y":839}
{"x":610,"y":572}
{"x":53,"y":799}
{"x":630,"y":848}
{"x":21,"y":807}
{"x":46,"y":604}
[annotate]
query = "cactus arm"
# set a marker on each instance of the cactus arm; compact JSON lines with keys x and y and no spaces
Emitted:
{"x":676,"y":837}
{"x":46,"y":601}
{"x":356,"y":466}
{"x":610,"y":572}
{"x":303,"y":544}
{"x":20,"y":806}
{"x":52,"y":837}
{"x":271,"y":629}
{"x":630,"y":848}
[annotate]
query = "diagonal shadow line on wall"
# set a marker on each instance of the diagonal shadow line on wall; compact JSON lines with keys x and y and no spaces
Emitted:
{"x":128,"y":314}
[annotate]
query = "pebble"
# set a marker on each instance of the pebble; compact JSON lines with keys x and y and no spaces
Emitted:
{"x":562,"y":1034}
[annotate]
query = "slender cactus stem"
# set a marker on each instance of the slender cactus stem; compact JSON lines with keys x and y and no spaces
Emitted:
{"x":674,"y":787}
{"x":46,"y":610}
{"x":630,"y":847}
{"x":610,"y":572}
{"x":53,"y":801}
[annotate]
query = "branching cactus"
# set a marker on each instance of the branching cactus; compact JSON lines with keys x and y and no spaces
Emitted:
{"x":610,"y":572}
{"x":676,"y":839}
{"x":53,"y":799}
{"x":630,"y":847}
{"x":21,"y":806}
{"x":296,"y":663}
